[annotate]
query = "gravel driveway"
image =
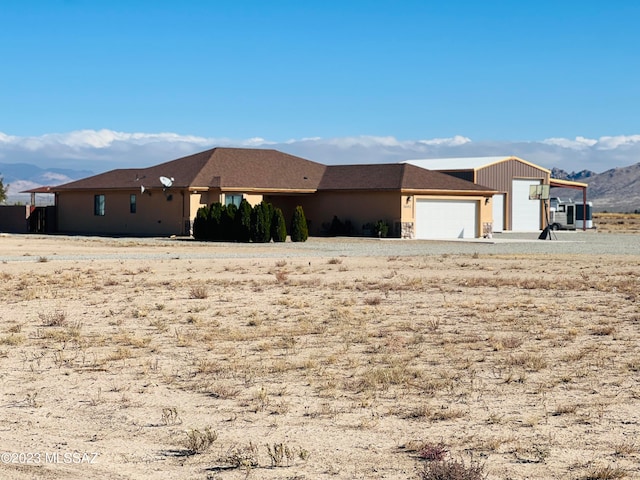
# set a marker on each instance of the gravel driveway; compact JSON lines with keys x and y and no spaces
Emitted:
{"x":94,"y":248}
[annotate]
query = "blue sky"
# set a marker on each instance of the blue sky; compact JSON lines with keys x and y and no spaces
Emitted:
{"x":93,"y":85}
{"x":280,"y":70}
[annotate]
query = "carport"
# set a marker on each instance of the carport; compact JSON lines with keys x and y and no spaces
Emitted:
{"x":557,"y":183}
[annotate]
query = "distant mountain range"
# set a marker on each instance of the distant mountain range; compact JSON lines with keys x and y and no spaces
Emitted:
{"x":24,"y":176}
{"x":616,"y":190}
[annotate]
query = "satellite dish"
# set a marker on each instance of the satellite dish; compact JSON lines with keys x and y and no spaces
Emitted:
{"x":141,"y":188}
{"x":166,"y":181}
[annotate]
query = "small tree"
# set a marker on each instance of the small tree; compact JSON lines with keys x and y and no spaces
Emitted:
{"x":380,"y":229}
{"x":228,"y":221}
{"x":278,"y":226}
{"x":261,"y":222}
{"x":3,"y":190}
{"x":242,"y":222}
{"x":200,"y":224}
{"x":215,"y":221}
{"x":299,"y":228}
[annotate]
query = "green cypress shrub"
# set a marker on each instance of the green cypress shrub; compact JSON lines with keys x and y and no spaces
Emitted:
{"x":261,"y":223}
{"x":242,"y":222}
{"x":200,"y":224}
{"x":278,"y":226}
{"x":299,"y":228}
{"x":228,"y":220}
{"x":215,"y":221}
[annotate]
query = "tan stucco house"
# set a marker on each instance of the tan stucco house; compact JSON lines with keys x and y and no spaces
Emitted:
{"x":415,"y":202}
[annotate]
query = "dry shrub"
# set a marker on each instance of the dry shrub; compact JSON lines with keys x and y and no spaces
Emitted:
{"x":198,"y":292}
{"x":452,"y":470}
{"x":281,"y":276}
{"x":373,"y":301}
{"x":605,"y":473}
{"x":53,"y":319}
{"x":242,"y":456}
{"x":200,"y":440}
{"x":529,"y":361}
{"x":603,"y":330}
{"x":432,"y":452}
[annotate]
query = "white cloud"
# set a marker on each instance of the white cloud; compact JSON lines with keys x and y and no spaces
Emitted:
{"x":578,"y":143}
{"x":101,"y":150}
{"x":602,"y":143}
{"x":612,"y":143}
{"x":454,"y":141}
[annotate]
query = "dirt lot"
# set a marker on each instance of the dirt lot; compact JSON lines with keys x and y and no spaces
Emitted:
{"x":141,"y":360}
{"x":617,"y":222}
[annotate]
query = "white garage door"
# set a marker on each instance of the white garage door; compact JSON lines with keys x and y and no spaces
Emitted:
{"x":498,"y":212}
{"x":525,"y":213}
{"x":446,"y":219}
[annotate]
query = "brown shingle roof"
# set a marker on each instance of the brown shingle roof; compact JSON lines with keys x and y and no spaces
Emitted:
{"x":229,"y":168}
{"x":271,"y":170}
{"x":392,"y":176}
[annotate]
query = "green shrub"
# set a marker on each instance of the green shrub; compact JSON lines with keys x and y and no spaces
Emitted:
{"x":278,"y":226}
{"x":261,"y":215}
{"x":229,"y":213}
{"x":338,"y":228}
{"x":380,"y":229}
{"x":214,"y":230}
{"x":242,"y":222}
{"x":200,"y":224}
{"x":299,"y":228}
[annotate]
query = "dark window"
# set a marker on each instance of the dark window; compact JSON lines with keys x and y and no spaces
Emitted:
{"x":232,"y":199}
{"x":132,"y":203}
{"x":98,"y":205}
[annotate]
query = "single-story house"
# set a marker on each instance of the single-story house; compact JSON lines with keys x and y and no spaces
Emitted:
{"x":163,"y":199}
{"x":512,"y":178}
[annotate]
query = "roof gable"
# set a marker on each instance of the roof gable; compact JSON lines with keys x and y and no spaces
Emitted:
{"x":227,"y":168}
{"x":468,"y":163}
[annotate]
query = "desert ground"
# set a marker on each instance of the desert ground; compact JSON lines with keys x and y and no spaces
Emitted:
{"x":170,"y":359}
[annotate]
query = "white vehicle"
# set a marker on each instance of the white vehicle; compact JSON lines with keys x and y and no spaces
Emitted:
{"x":567,"y":215}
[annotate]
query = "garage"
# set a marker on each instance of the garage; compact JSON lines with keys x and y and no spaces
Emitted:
{"x":446,"y":219}
{"x":525,"y":213}
{"x":510,"y":177}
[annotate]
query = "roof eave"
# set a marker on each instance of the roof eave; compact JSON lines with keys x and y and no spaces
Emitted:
{"x":556,"y":182}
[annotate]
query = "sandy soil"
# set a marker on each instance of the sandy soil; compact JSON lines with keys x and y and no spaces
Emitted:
{"x":314,"y":368}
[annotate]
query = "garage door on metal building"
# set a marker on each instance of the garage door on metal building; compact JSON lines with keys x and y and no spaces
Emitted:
{"x":525,"y":213}
{"x":498,"y":212}
{"x":446,"y":219}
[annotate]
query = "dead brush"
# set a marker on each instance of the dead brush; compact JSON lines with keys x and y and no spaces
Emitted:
{"x":529,"y":361}
{"x":198,"y":292}
{"x":198,"y":441}
{"x":432,"y":452}
{"x":170,"y":416}
{"x":602,"y":330}
{"x":452,"y":470}
{"x":605,"y":473}
{"x":53,"y":319}
{"x":282,"y":276}
{"x":278,"y":452}
{"x":242,"y":456}
{"x":373,"y":301}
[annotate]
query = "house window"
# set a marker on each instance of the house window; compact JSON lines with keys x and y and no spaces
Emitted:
{"x":232,"y":199}
{"x":132,"y":203}
{"x":98,"y":205}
